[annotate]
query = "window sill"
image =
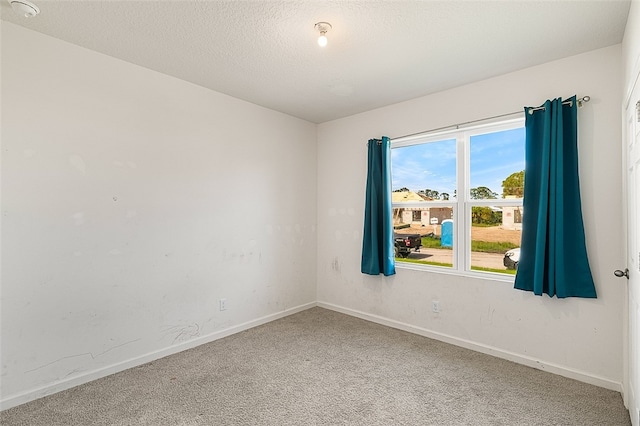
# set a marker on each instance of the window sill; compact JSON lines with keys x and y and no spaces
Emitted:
{"x":450,"y":271}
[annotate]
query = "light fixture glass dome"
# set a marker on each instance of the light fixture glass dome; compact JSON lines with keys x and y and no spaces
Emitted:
{"x":24,"y":8}
{"x":323,"y":28}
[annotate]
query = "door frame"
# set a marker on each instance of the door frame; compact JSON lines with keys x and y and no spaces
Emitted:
{"x":631,"y":400}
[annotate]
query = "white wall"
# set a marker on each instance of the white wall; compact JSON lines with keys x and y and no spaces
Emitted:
{"x":578,"y":338}
{"x":131,"y":203}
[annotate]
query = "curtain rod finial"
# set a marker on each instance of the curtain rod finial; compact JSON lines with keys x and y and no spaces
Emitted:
{"x":583,"y":100}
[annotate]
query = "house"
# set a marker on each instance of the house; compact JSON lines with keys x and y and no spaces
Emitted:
{"x":512,"y":216}
{"x":133,"y":202}
{"x":417,"y":216}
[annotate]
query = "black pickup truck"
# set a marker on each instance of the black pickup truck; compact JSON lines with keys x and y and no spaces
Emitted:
{"x":406,"y":242}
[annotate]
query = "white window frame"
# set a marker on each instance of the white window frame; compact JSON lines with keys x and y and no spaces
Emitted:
{"x":461,"y":235}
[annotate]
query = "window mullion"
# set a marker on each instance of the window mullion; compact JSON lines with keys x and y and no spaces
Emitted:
{"x":466,"y":213}
{"x":460,"y":229}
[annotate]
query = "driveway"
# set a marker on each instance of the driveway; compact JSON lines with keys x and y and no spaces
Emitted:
{"x":485,"y":260}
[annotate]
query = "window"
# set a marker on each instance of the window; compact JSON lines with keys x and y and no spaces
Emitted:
{"x":461,"y":191}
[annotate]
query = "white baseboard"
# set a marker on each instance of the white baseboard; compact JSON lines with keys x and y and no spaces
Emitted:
{"x":485,"y":349}
{"x":61,"y":385}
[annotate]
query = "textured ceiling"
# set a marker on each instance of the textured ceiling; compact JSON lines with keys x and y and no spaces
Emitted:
{"x":380,"y":52}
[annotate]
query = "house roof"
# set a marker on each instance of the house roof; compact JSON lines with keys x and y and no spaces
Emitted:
{"x":405,"y":196}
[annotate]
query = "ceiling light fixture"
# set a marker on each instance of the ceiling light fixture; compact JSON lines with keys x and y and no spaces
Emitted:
{"x":323,"y":28}
{"x":24,"y":8}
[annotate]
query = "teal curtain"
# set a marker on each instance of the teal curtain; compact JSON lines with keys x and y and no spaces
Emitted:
{"x":377,"y":242}
{"x":553,"y":254}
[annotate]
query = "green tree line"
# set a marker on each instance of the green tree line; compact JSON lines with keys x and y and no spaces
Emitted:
{"x":513,"y":185}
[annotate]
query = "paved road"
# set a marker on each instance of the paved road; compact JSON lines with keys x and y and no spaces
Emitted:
{"x":486,"y":260}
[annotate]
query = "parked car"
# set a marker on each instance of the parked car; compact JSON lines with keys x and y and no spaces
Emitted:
{"x":511,"y":258}
{"x":404,"y":243}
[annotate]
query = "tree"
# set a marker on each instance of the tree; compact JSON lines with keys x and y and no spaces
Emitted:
{"x":444,"y":196}
{"x":485,"y":216}
{"x":482,"y":193}
{"x":513,"y":185}
{"x":402,"y":190}
{"x":430,"y":193}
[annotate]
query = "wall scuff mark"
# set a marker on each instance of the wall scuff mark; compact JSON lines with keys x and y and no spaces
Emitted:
{"x":90,"y":354}
{"x":183,"y":332}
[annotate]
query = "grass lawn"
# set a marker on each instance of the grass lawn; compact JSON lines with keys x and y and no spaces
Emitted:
{"x":422,"y":262}
{"x":500,"y":271}
{"x":478,"y":246}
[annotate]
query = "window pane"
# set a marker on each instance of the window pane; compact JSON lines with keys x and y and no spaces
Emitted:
{"x":497,"y":165}
{"x":495,"y":231}
{"x":496,"y":171}
{"x":426,"y":193}
{"x":424,"y":235}
{"x":425,"y":172}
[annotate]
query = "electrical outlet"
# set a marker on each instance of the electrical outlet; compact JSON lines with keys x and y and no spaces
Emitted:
{"x":223,"y":304}
{"x":435,"y":306}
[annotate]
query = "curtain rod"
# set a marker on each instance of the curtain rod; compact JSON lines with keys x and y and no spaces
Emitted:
{"x":530,"y":110}
{"x":569,"y":102}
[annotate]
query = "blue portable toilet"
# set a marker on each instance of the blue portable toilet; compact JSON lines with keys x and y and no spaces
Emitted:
{"x":446,"y":236}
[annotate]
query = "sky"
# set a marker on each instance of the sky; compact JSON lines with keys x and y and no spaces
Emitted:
{"x":494,"y":156}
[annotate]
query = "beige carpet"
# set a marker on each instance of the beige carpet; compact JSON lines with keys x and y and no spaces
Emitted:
{"x":320,"y":367}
